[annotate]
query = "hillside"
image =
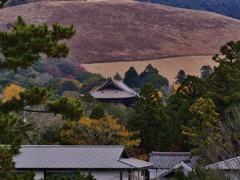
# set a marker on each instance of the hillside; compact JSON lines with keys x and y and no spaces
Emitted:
{"x":111,"y":31}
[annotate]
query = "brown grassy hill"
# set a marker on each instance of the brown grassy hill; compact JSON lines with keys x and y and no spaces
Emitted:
{"x":110,"y":31}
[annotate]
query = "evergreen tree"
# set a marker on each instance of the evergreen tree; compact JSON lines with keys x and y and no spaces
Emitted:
{"x":223,"y":86}
{"x":117,"y":77}
{"x":180,"y":77}
{"x":151,"y":75}
{"x":150,"y":120}
{"x":97,"y":112}
{"x":131,"y":78}
{"x":178,"y":106}
{"x":205,"y":72}
{"x":156,"y":80}
{"x":148,"y":70}
{"x":20,"y":48}
{"x":230,"y":50}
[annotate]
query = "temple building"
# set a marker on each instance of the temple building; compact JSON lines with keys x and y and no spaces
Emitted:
{"x":113,"y":91}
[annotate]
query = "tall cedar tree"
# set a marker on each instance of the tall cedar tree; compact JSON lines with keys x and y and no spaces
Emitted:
{"x":131,"y":78}
{"x":223,"y":86}
{"x":151,"y":75}
{"x":180,"y":77}
{"x":150,"y":120}
{"x":148,"y":70}
{"x":205,"y":72}
{"x":21,"y":48}
{"x":178,"y":107}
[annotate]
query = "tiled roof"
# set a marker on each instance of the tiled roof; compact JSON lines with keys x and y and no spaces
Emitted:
{"x":76,"y":157}
{"x":185,"y":168}
{"x":167,"y":160}
{"x":233,"y":163}
{"x":118,"y":90}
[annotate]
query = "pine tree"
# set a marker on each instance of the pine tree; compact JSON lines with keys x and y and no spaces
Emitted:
{"x":21,"y":48}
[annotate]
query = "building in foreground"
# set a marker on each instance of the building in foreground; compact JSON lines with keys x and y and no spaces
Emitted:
{"x":105,"y":162}
{"x":166,"y":164}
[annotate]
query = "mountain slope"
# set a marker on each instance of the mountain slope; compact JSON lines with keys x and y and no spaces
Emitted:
{"x":110,"y":31}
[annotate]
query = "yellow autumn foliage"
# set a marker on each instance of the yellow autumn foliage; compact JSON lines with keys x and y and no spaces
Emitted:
{"x":175,"y":87}
{"x":160,"y":94}
{"x":12,"y":91}
{"x":105,"y":131}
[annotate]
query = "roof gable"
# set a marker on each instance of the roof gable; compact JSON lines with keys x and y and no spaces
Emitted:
{"x":113,"y":89}
{"x":167,"y":160}
{"x":73,"y":157}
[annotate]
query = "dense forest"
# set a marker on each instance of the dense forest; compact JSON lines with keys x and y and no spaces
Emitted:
{"x":229,"y":8}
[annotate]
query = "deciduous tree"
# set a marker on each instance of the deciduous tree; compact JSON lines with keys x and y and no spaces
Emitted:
{"x":203,"y":129}
{"x":104,"y":131}
{"x":12,"y":91}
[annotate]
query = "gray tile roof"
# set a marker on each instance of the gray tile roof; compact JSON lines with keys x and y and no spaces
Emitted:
{"x":113,"y":89}
{"x":167,"y":160}
{"x":233,"y":163}
{"x":76,"y":157}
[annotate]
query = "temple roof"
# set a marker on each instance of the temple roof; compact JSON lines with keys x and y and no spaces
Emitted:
{"x":113,"y":89}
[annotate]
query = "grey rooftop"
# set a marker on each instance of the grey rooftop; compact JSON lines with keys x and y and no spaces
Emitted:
{"x":113,"y":89}
{"x":76,"y":157}
{"x":167,"y":160}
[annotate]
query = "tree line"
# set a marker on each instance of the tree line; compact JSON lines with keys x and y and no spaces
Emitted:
{"x":228,"y":8}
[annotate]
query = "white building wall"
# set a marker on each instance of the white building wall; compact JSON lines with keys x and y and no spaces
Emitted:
{"x":39,"y":174}
{"x":100,"y":174}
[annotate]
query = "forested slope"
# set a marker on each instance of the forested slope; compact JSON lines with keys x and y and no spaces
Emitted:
{"x":229,"y":8}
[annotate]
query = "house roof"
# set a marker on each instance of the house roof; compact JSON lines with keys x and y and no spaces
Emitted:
{"x":76,"y":157}
{"x":113,"y":89}
{"x":167,"y":160}
{"x":187,"y":167}
{"x":233,"y":163}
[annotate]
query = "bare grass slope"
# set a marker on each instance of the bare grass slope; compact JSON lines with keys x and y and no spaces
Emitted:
{"x":113,"y":31}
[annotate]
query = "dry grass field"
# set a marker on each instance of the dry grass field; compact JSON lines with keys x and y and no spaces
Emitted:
{"x":168,"y":67}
